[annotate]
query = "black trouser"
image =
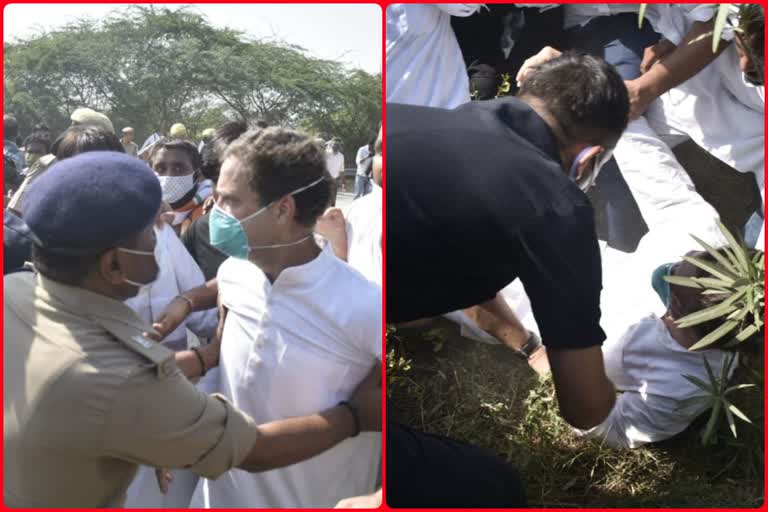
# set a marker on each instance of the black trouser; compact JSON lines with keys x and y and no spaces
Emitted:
{"x":430,"y":471}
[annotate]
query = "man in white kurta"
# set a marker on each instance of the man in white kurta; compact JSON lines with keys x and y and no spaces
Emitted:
{"x":289,"y":348}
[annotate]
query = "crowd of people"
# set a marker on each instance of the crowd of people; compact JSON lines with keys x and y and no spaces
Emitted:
{"x":178,"y":329}
{"x":533,"y":197}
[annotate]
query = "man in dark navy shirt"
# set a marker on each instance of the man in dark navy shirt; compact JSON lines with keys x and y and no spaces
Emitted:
{"x":492,"y":191}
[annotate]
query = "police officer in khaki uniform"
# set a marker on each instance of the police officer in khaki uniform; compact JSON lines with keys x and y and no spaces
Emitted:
{"x":87,"y":396}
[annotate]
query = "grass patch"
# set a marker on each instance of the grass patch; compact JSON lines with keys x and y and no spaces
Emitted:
{"x":441,"y":383}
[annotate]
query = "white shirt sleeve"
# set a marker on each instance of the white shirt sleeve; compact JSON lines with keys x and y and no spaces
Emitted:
{"x":638,"y":419}
{"x":188,"y":276}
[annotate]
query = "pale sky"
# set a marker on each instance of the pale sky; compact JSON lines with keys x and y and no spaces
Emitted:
{"x":344,"y":32}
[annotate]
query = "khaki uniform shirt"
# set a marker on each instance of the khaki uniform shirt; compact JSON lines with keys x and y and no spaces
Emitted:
{"x":87,"y":398}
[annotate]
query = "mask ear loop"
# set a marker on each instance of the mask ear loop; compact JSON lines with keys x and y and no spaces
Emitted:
{"x":573,"y":172}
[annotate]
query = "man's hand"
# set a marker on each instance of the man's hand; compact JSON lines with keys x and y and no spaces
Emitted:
{"x":333,"y":228}
{"x":165,"y":215}
{"x":175,"y":313}
{"x":367,"y":399}
{"x":164,"y":479}
{"x":584,"y":393}
{"x":547,"y":53}
{"x":639,"y":98}
{"x":655,"y":53}
{"x":368,"y":501}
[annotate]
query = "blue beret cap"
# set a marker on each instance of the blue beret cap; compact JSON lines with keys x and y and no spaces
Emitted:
{"x":92,"y":202}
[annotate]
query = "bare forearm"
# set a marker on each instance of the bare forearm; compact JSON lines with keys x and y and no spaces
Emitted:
{"x":285,"y":442}
{"x":203,"y":297}
{"x":684,"y":62}
{"x":189,"y":363}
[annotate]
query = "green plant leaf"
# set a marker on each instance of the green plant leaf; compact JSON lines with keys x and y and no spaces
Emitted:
{"x":738,"y":413}
{"x":736,"y":246}
{"x":715,"y":335}
{"x":720,"y":19}
{"x":738,"y":387}
{"x":641,"y":15}
{"x":683,"y":281}
{"x":747,"y":332}
{"x":714,"y":269}
{"x":700,"y":384}
{"x":705,"y":315}
{"x":711,"y":282}
{"x":722,"y":260}
{"x":731,"y":421}
{"x":706,"y":401}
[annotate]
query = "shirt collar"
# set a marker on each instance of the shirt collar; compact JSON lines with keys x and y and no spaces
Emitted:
{"x":524,"y":121}
{"x":308,"y":273}
{"x":86,"y":303}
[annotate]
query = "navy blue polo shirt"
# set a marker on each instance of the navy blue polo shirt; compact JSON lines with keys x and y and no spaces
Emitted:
{"x":477,"y":197}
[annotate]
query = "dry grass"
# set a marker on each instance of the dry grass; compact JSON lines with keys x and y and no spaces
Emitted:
{"x":441,"y":383}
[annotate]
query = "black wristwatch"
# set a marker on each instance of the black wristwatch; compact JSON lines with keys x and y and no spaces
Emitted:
{"x":531,"y":346}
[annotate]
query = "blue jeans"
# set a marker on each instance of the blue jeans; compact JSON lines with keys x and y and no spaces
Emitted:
{"x":618,"y":40}
{"x":362,"y":185}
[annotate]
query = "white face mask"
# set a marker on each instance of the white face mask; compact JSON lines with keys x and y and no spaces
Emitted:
{"x":176,"y":187}
{"x":143,"y":287}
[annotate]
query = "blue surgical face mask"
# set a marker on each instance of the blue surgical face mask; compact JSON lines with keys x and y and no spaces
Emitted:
{"x":660,"y":285}
{"x":228,"y":234}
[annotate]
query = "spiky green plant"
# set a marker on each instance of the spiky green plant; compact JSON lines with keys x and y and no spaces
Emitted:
{"x":737,"y":277}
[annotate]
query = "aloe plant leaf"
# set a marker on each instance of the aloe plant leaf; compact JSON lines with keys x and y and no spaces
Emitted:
{"x":747,"y":332}
{"x":715,"y":335}
{"x":736,"y":247}
{"x":683,"y":281}
{"x":735,"y":410}
{"x":738,"y":387}
{"x":713,"y":268}
{"x":641,"y":15}
{"x":722,"y":260}
{"x":731,"y":421}
{"x":699,"y":383}
{"x":720,"y":19}
{"x":705,"y":315}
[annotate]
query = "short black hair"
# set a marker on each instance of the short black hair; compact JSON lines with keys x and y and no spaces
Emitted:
{"x":584,"y":94}
{"x":10,"y":127}
{"x":39,"y":137}
{"x":279,"y":161}
{"x":177,"y":145}
{"x":41,"y":127}
{"x":82,"y":139}
{"x":214,"y":149}
{"x":11,"y":176}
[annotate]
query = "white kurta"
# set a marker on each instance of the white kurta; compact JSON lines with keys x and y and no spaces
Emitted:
{"x":424,"y":62}
{"x":363,"y":219}
{"x":291,"y":348}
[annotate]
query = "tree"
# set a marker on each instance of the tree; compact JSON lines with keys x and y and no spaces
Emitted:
{"x":150,"y":67}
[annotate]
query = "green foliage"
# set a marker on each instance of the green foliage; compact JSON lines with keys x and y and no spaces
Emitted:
{"x":149,"y":67}
{"x":738,"y":277}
